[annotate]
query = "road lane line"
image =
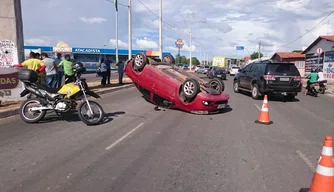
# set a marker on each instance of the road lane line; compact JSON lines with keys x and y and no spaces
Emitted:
{"x":124,"y":137}
{"x":306,"y":160}
{"x":257,"y":107}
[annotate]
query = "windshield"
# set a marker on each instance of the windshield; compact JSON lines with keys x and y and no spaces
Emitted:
{"x":281,"y":68}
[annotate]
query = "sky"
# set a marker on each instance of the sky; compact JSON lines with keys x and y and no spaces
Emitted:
{"x":217,"y":26}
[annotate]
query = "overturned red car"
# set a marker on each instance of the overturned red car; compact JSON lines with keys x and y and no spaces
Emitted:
{"x":168,"y":86}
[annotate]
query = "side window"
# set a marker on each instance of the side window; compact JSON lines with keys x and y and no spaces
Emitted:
{"x":254,"y":68}
{"x":247,"y":68}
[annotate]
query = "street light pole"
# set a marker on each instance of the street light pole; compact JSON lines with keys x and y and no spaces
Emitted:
{"x":160,"y":30}
{"x":129,"y":30}
{"x":200,"y":57}
{"x":190,"y":59}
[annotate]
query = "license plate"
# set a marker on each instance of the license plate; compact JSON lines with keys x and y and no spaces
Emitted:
{"x":219,"y":75}
{"x":221,"y":106}
{"x":284,"y":79}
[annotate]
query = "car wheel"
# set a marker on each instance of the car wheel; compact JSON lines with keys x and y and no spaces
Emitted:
{"x":190,"y":88}
{"x":236,"y":86}
{"x":255,"y":92}
{"x":140,"y":61}
{"x":168,"y":59}
{"x":217,"y":84}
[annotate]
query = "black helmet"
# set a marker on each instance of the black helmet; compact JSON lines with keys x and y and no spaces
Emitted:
{"x":67,"y":55}
{"x":79,"y":67}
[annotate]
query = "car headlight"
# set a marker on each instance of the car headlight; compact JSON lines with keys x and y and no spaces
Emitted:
{"x":206,"y":103}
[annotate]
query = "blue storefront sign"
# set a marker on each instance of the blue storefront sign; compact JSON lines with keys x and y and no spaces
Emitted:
{"x":87,"y":50}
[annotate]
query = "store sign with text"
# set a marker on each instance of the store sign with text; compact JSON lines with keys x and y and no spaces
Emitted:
{"x":62,"y":47}
{"x":86,"y":50}
{"x":328,"y":68}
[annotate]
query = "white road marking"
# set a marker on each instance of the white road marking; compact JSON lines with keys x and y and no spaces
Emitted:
{"x":306,"y":160}
{"x":124,"y":136}
{"x":257,"y":107}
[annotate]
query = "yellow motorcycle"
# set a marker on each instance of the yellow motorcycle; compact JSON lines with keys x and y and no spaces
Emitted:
{"x":61,"y":101}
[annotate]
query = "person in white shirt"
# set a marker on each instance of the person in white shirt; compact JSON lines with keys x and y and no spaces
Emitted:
{"x":320,"y":75}
{"x":103,"y":73}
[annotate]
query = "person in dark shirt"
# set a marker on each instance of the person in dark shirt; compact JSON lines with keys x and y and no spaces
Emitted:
{"x":107,"y":61}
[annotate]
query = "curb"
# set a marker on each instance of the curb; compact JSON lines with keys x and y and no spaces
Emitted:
{"x":15,"y":111}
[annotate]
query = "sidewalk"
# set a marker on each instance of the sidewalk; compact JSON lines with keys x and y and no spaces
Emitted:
{"x":11,"y":108}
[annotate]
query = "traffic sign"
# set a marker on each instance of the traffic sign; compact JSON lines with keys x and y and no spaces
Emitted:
{"x":179,"y":43}
{"x":319,"y":51}
{"x":240,"y":48}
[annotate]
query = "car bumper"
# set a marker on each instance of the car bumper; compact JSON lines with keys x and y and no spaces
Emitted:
{"x":282,"y":89}
{"x":206,"y":104}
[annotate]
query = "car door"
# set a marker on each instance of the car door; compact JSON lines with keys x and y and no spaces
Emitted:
{"x":243,"y":76}
{"x":251,"y":74}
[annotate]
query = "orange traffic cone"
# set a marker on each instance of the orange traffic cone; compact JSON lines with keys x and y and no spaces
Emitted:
{"x":323,"y":179}
{"x":264,"y":113}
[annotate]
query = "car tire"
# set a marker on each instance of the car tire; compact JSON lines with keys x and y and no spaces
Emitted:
{"x":190,"y":88}
{"x":217,"y":84}
{"x":255,"y":92}
{"x":168,"y":59}
{"x":236,"y":86}
{"x":140,"y":61}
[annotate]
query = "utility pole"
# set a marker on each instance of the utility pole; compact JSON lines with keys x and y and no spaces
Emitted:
{"x":129,"y":30}
{"x":190,"y":59}
{"x":259,"y":52}
{"x":200,"y":52}
{"x":160,"y":30}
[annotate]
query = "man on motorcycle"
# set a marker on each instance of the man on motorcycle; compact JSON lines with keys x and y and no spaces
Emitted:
{"x":313,"y":78}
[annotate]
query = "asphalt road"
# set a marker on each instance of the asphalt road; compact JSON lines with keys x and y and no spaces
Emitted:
{"x":138,"y":149}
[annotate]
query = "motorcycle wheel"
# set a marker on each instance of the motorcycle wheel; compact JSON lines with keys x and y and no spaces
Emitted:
{"x":37,"y":115}
{"x":84,"y":117}
{"x":322,"y":90}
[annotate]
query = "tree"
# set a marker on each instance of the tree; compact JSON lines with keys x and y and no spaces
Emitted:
{"x":194,"y":61}
{"x":255,"y":55}
{"x":183,"y":59}
{"x":297,"y":51}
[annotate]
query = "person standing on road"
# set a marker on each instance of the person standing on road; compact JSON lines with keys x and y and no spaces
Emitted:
{"x":68,"y":69}
{"x":108,"y":64}
{"x":33,"y":64}
{"x":60,"y":70}
{"x":104,"y":72}
{"x":50,"y":70}
{"x":120,"y":66}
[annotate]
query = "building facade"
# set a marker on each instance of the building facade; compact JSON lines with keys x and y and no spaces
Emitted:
{"x":291,"y":57}
{"x":320,"y":55}
{"x":87,"y":55}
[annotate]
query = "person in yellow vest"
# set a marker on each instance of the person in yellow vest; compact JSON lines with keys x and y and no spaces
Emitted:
{"x":33,"y":64}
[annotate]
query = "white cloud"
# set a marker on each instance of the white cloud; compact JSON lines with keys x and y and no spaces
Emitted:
{"x":92,"y":20}
{"x":217,"y":26}
{"x":121,"y":44}
{"x":42,"y":41}
{"x":146,"y":43}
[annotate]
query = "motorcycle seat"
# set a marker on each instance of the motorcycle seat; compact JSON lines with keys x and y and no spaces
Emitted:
{"x":50,"y":90}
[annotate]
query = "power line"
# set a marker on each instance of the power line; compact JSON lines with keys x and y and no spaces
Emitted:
{"x":155,"y":14}
{"x":308,"y":30}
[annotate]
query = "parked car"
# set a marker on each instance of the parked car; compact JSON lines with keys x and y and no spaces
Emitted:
{"x":268,"y":77}
{"x":217,"y":72}
{"x":206,"y":69}
{"x":234,"y":70}
{"x":198,"y":67}
{"x":185,"y":67}
{"x":168,"y":86}
{"x":200,"y":70}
